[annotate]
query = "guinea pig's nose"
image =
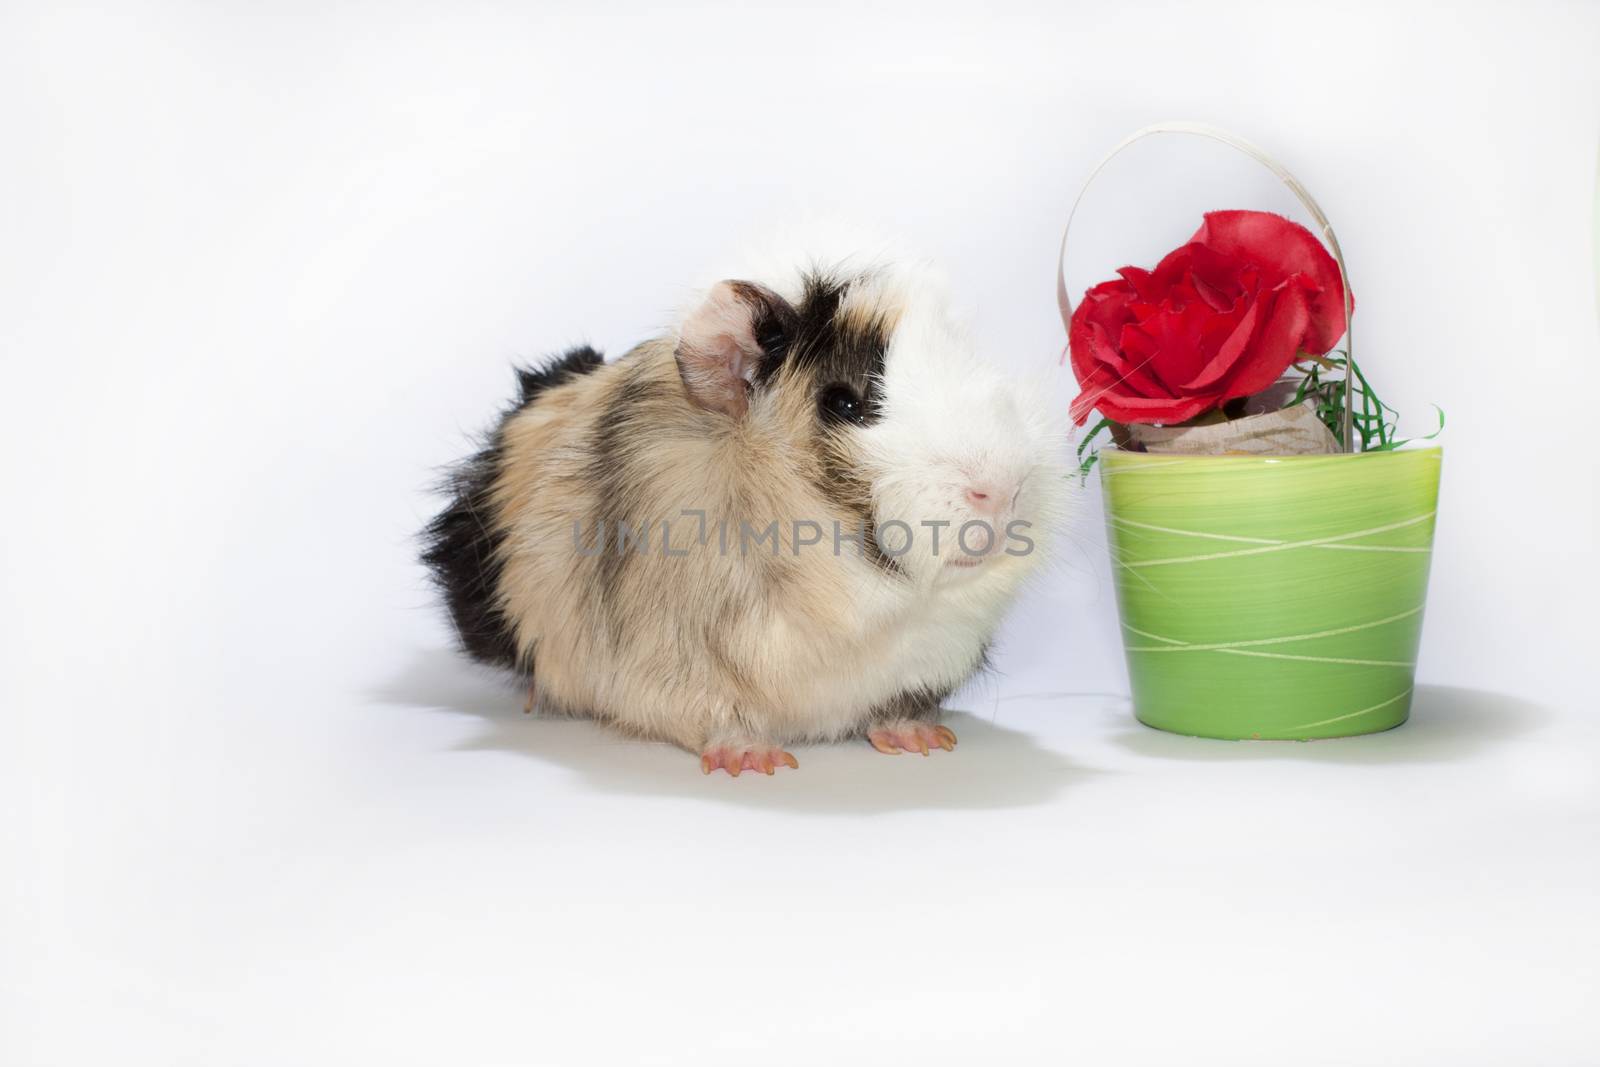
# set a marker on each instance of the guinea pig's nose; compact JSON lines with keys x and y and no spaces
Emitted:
{"x":986,"y":499}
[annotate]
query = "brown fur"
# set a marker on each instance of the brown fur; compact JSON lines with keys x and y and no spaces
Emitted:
{"x":685,"y":648}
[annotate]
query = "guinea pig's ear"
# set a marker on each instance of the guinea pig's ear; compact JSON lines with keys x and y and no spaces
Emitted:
{"x":725,"y":340}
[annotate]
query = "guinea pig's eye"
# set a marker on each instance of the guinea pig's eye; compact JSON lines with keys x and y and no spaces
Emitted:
{"x":841,"y":403}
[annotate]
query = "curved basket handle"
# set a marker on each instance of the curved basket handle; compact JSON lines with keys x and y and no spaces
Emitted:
{"x":1216,"y":134}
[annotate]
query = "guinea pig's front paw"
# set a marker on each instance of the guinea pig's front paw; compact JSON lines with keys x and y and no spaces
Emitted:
{"x":736,"y":756}
{"x":910,"y":735}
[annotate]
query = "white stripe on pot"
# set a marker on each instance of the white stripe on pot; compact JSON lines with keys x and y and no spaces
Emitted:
{"x":1317,"y":659}
{"x":1174,"y":645}
{"x":1283,"y":546}
{"x":1120,"y":521}
{"x":1380,"y":548}
{"x":1351,"y":715}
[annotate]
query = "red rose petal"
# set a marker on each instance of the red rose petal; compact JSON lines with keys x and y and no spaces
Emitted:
{"x":1143,"y":283}
{"x":1142,"y":409}
{"x":1216,"y":270}
{"x":1175,"y":341}
{"x":1085,"y":401}
{"x":1282,"y":248}
{"x":1232,"y":349}
{"x":1213,"y":296}
{"x":1286,"y":315}
{"x":1138,"y":350}
{"x":1104,"y":307}
{"x":1107,"y":304}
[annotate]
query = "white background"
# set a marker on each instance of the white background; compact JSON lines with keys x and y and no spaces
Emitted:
{"x":261,"y":274}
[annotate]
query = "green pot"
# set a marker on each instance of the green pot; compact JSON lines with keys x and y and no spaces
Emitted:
{"x":1271,"y":596}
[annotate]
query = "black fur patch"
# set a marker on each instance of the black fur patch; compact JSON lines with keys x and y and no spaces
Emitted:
{"x":463,"y":545}
{"x":813,"y":341}
{"x":774,"y":324}
{"x":822,"y":348}
{"x":531,"y":381}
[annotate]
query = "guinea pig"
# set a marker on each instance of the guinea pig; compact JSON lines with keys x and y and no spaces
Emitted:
{"x":798,"y":517}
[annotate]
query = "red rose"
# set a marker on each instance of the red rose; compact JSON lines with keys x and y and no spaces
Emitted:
{"x":1221,"y":317}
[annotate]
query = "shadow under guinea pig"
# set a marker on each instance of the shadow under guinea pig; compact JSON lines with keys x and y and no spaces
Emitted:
{"x":992,"y":767}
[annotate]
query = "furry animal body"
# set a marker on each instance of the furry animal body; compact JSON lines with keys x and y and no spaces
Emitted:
{"x":764,"y":528}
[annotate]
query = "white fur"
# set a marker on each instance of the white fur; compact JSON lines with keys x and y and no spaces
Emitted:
{"x":949,"y":420}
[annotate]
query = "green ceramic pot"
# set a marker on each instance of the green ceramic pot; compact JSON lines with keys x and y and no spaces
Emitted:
{"x":1271,"y":596}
